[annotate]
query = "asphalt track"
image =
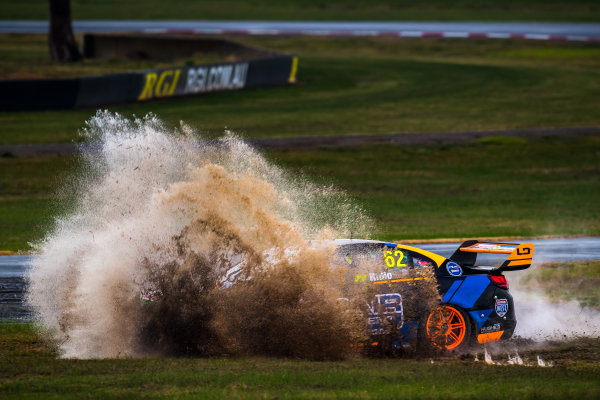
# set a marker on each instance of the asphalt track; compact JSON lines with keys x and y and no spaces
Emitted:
{"x":492,"y":30}
{"x":14,"y":269}
{"x":546,"y":250}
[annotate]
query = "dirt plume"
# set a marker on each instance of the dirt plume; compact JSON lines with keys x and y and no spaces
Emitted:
{"x":212,"y":231}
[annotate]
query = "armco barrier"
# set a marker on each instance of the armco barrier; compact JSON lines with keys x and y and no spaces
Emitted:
{"x":104,"y":90}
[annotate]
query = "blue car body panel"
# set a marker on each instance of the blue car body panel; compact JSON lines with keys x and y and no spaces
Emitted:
{"x":471,"y":288}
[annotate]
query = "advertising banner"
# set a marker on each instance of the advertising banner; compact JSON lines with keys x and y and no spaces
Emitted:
{"x":104,"y":90}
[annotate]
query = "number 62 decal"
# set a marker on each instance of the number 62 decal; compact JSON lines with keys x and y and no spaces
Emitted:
{"x":394,"y":259}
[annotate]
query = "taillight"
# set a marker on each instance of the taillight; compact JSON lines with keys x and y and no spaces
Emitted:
{"x":499,"y":280}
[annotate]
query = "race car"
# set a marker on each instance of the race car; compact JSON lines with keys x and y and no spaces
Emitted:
{"x":473,"y":306}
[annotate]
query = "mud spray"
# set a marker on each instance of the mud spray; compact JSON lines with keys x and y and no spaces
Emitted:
{"x":543,"y":322}
{"x":159,"y":212}
{"x":542,"y":317}
{"x":225,"y":241}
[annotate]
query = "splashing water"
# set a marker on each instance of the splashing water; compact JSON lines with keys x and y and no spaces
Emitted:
{"x":160,"y":210}
{"x":487,"y":356}
{"x":515,"y":360}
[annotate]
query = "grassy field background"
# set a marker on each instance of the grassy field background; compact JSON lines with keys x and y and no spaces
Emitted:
{"x":378,"y":10}
{"x":354,"y":86}
{"x":29,"y":369}
{"x":567,"y":281}
{"x":29,"y":196}
{"x":495,"y":187}
{"x":492,"y":187}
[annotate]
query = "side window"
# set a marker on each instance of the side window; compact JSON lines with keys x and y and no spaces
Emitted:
{"x":420,"y":261}
{"x":357,"y":256}
{"x":399,"y":258}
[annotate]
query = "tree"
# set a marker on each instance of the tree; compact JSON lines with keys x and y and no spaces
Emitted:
{"x":60,"y":38}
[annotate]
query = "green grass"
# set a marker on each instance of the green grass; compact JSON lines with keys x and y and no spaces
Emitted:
{"x":495,"y":187}
{"x":499,"y":187}
{"x":502,"y":188}
{"x":28,"y":369}
{"x":26,"y":57}
{"x":567,"y":281}
{"x":29,"y":197}
{"x":402,"y":10}
{"x":359,"y":86}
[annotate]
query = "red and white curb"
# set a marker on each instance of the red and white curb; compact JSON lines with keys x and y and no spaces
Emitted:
{"x":358,"y":33}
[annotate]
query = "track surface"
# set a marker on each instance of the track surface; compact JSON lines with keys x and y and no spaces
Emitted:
{"x":500,"y":30}
{"x":546,"y":250}
{"x":14,"y":269}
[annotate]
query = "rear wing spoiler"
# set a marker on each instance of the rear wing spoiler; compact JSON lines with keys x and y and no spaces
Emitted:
{"x":519,"y":257}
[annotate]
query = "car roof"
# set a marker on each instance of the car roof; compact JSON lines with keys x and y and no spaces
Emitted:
{"x":439,"y":260}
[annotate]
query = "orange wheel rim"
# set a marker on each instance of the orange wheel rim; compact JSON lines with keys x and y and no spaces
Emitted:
{"x":446,"y":327}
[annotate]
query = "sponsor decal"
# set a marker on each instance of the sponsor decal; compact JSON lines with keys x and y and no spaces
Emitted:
{"x":197,"y":79}
{"x":492,"y":328}
{"x":390,"y":305}
{"x":491,"y":247}
{"x":382,"y":276}
{"x":217,"y":77}
{"x":523,"y":251}
{"x":501,"y":307}
{"x":454,"y":269}
{"x":360,"y":278}
{"x":160,"y":84}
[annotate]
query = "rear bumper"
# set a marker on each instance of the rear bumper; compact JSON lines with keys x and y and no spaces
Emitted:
{"x":501,"y":322}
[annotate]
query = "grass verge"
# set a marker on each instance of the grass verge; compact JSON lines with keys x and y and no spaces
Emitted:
{"x":356,"y":86}
{"x":490,"y":188}
{"x":30,"y":196}
{"x":29,"y":369}
{"x":484,"y":189}
{"x":567,"y":281}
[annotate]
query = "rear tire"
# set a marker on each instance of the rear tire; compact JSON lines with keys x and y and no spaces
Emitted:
{"x":448,"y":328}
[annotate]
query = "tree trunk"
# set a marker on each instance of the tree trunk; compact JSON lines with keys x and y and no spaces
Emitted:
{"x":60,"y":38}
